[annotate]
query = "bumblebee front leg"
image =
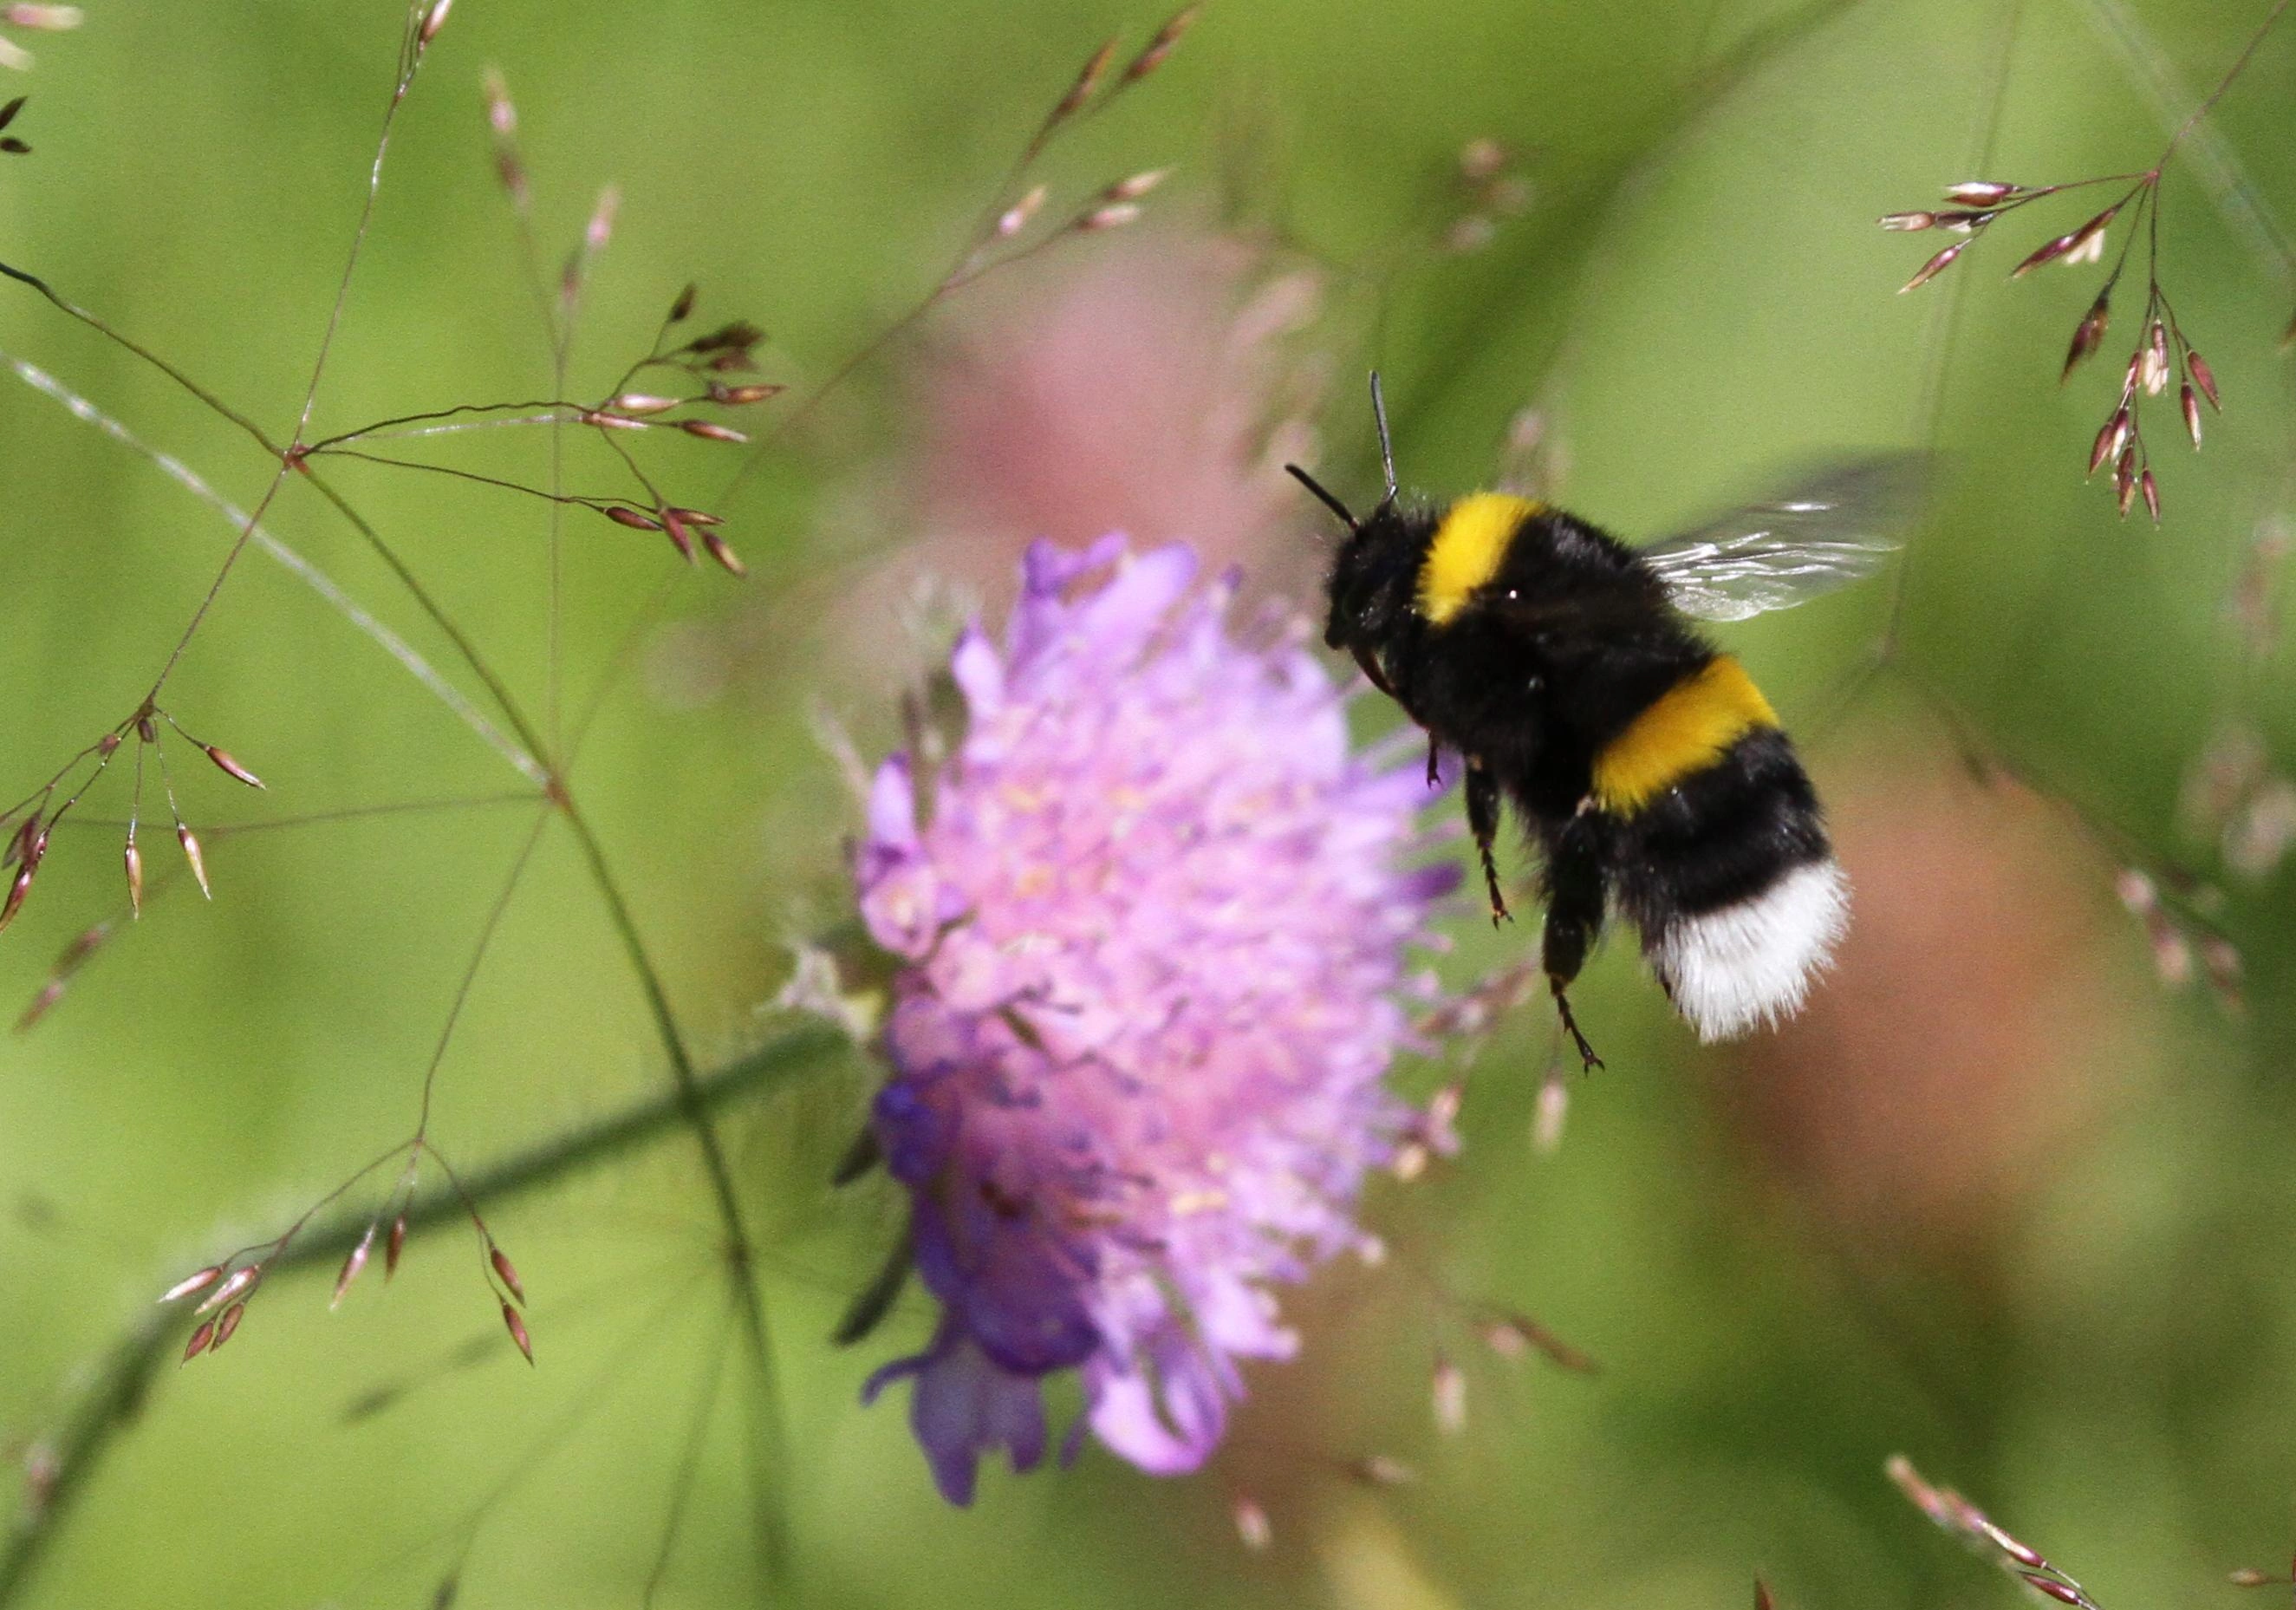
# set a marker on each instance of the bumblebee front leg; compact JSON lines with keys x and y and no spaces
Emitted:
{"x":1575,"y":901}
{"x":1482,"y":792}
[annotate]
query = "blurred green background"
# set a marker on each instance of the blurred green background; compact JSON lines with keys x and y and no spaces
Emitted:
{"x":2007,"y":1202}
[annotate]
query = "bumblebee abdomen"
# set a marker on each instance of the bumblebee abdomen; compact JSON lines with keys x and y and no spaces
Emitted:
{"x":1721,"y":860}
{"x":1685,"y":730}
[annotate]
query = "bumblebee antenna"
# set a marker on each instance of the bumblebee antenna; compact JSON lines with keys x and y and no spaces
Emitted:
{"x":1322,"y":496}
{"x":1386,"y":442}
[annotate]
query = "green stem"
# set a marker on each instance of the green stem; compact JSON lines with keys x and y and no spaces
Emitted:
{"x":124,"y":1378}
{"x":770,"y":1519}
{"x":74,"y":311}
{"x":685,"y":1081}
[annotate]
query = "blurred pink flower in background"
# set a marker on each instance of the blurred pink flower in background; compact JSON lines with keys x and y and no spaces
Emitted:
{"x":1144,"y":386}
{"x":1152,"y":382}
{"x":1976,"y":1024}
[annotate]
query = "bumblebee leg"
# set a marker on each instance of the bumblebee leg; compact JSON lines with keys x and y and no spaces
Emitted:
{"x":1482,"y":791}
{"x":1588,"y":1061}
{"x":1434,"y":759}
{"x":1575,"y":900}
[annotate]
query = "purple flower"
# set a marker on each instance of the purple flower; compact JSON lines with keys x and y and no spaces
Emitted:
{"x":1155,"y":928}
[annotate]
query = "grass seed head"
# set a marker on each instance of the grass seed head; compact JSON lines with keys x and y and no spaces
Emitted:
{"x":710,"y":430}
{"x":1979,"y":192}
{"x":198,"y":1280}
{"x":2088,"y":335}
{"x":352,"y":1264}
{"x":1015,"y":218}
{"x":229,"y":767}
{"x":2204,"y":378}
{"x":1936,"y":265}
{"x":1158,"y":49}
{"x":506,"y":1273}
{"x":722,"y":552}
{"x":19,"y":889}
{"x":1088,"y":81}
{"x":1116,"y":215}
{"x":195,"y":857}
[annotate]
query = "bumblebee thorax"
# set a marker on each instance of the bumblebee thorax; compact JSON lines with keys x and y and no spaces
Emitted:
{"x":1469,"y":544}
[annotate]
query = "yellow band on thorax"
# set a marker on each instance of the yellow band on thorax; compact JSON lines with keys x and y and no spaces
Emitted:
{"x":1685,"y":730}
{"x":1470,"y":543}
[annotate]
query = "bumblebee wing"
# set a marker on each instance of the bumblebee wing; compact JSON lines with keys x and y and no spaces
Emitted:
{"x":1840,"y":528}
{"x":1737,"y":579}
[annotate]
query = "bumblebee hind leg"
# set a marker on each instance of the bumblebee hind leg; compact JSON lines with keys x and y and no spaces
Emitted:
{"x":1482,"y":791}
{"x":1576,"y":898}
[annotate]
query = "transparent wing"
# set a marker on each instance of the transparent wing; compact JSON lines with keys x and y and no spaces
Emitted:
{"x":1838,"y":528}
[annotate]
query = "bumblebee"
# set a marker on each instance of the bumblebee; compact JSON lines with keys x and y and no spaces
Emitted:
{"x":1651,"y":774}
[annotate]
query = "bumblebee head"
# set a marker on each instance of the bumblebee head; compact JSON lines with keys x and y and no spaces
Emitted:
{"x":1375,"y":568}
{"x":1372,"y":579}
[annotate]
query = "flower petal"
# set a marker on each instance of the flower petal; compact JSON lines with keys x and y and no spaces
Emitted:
{"x":962,"y":1407}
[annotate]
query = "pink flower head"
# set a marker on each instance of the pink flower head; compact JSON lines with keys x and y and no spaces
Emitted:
{"x":1155,"y":929}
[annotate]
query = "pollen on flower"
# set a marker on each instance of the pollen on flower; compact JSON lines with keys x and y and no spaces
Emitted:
{"x":1156,"y":930}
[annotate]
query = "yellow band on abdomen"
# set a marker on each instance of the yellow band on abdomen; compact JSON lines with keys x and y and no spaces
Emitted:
{"x":1685,"y":730}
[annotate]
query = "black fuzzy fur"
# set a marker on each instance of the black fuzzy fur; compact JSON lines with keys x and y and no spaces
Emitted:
{"x":1550,"y":661}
